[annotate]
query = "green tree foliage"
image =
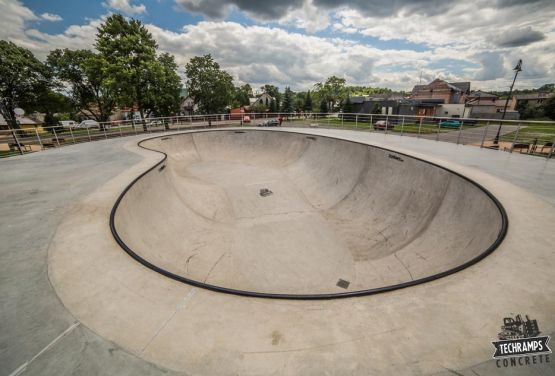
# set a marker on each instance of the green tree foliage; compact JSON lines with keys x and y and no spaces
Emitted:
{"x":135,"y":73}
{"x":211,"y":87}
{"x":347,"y":106}
{"x":287,"y":105}
{"x":166,"y":86}
{"x":242,"y":95}
{"x":547,"y":88}
{"x":83,"y":72}
{"x":332,"y":91}
{"x":307,"y":106}
{"x":22,"y":77}
{"x":323,"y":106}
{"x":549,"y":107}
{"x":52,"y":104}
{"x":529,"y":111}
{"x":273,"y":107}
{"x":273,"y":91}
{"x":259,"y":108}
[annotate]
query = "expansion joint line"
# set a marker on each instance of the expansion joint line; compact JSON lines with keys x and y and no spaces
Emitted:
{"x":24,"y":366}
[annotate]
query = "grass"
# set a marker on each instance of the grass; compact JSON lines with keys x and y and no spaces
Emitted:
{"x":542,"y":132}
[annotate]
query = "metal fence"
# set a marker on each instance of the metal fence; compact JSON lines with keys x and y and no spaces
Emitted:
{"x":535,"y":138}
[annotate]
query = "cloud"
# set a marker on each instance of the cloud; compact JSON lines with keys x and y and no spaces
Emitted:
{"x":265,"y":10}
{"x":51,"y":17}
{"x":259,"y":54}
{"x":518,"y":37}
{"x":125,"y":6}
{"x":492,"y":66}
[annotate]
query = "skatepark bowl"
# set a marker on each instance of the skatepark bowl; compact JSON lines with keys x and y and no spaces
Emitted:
{"x":295,"y":216}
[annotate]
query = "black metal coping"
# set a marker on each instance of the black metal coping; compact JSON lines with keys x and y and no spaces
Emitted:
{"x":323,"y":296}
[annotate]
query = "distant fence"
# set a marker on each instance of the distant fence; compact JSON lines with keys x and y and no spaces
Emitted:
{"x":536,"y":138}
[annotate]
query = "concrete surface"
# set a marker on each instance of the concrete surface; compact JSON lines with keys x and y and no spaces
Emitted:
{"x":339,"y":210}
{"x":36,"y":192}
{"x":155,"y":324}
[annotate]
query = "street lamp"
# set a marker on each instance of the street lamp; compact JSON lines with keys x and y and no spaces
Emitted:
{"x":517,"y":69}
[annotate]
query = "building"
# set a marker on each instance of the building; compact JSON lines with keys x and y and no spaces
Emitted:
{"x":26,"y":124}
{"x":534,"y":99}
{"x":440,"y":91}
{"x":263,"y":99}
{"x":489,"y":106}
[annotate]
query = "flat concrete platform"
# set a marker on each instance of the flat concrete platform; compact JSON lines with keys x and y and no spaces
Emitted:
{"x":73,"y":302}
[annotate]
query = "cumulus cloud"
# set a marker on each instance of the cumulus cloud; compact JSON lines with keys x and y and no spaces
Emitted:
{"x":266,"y":10}
{"x":492,"y":66}
{"x":260,"y":54}
{"x":125,"y":6}
{"x":51,"y":17}
{"x":518,"y":37}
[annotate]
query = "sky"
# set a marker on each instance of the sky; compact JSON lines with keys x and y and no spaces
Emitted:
{"x":296,"y":43}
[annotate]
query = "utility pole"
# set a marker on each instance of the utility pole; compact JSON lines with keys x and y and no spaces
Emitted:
{"x":517,"y":69}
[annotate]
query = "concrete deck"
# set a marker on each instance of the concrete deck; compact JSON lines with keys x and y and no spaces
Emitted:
{"x":75,"y":303}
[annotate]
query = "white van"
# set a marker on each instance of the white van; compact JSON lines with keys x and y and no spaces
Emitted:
{"x":68,"y":123}
{"x":89,"y":124}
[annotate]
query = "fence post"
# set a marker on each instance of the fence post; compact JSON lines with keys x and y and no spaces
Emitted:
{"x":402,"y":125}
{"x":89,"y":134}
{"x":356,"y":121}
{"x":438,"y":130}
{"x":551,"y":150}
{"x":460,"y":131}
{"x":420,"y":126}
{"x":17,"y":142}
{"x":38,"y":138}
{"x":484,"y":135}
{"x":71,"y":132}
{"x":120,"y":132}
{"x":371,"y":124}
{"x":56,"y":136}
{"x":104,"y":129}
{"x":515,"y":138}
{"x":386,"y":122}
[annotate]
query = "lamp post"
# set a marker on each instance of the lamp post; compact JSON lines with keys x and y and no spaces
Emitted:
{"x":517,"y":69}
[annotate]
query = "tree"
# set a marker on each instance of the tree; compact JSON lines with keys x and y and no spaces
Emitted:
{"x":242,"y":95}
{"x":529,"y":110}
{"x":273,"y":106}
{"x":347,"y":106}
{"x":333,"y":91}
{"x":287,"y":100}
{"x":22,"y":77}
{"x":549,"y":107}
{"x":165,"y":87}
{"x":272,"y":91}
{"x":547,"y":88}
{"x":323,"y":106}
{"x":307,"y":102}
{"x":83,"y":72}
{"x":51,"y":104}
{"x":211,"y":88}
{"x":130,"y":53}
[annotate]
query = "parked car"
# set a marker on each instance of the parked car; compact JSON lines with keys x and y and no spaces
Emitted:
{"x":270,"y":123}
{"x":450,"y":124}
{"x":68,"y":123}
{"x":382,"y":125}
{"x":155,"y":123}
{"x":89,"y":124}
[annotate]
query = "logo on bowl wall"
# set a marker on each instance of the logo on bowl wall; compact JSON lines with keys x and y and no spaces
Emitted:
{"x":520,"y":343}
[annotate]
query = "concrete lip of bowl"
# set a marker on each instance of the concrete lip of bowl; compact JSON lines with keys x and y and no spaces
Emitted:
{"x":296,"y":216}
